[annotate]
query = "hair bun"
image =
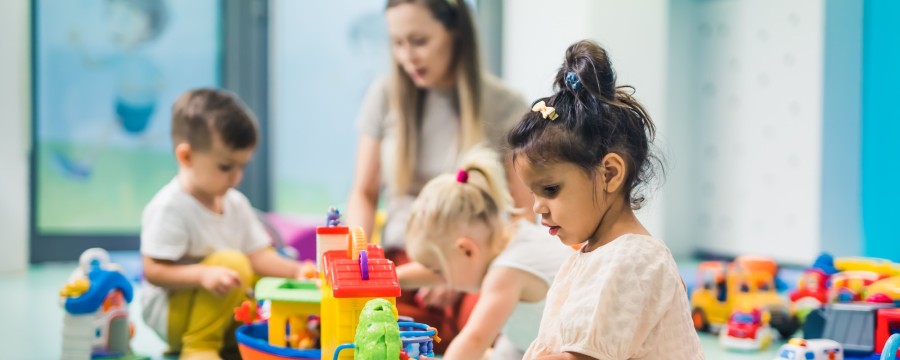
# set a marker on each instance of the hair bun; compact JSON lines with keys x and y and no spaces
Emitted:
{"x":572,"y":81}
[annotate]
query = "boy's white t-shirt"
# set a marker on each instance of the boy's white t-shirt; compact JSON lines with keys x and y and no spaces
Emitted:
{"x":175,"y":226}
{"x":624,"y":300}
{"x":532,"y":250}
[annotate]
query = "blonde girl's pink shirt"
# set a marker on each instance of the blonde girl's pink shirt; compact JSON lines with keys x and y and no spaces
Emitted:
{"x":624,"y":300}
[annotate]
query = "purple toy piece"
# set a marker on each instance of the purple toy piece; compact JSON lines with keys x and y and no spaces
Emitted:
{"x":364,"y":264}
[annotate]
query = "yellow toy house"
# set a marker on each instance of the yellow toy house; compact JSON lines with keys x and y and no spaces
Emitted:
{"x":352,"y":273}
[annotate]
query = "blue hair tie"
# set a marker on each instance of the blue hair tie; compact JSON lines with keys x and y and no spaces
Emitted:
{"x":572,"y":81}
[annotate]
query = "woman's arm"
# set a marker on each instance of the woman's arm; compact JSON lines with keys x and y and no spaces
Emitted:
{"x":500,"y":292}
{"x":364,"y":193}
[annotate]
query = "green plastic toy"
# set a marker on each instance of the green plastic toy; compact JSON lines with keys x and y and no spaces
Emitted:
{"x":377,"y":335}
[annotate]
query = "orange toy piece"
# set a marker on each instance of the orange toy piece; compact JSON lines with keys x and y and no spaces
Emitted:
{"x":246,"y":313}
{"x":308,"y":270}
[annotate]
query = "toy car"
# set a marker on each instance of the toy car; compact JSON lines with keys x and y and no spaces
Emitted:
{"x":746,"y":283}
{"x":747,"y":331}
{"x":815,"y":349}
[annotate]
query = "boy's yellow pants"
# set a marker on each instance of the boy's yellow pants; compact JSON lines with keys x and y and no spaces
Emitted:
{"x":198,"y":319}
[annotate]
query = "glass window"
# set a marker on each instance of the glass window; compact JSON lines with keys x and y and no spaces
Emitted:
{"x":324,"y":55}
{"x":107,"y":73}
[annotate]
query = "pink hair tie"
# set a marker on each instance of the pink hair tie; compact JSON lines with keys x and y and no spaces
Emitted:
{"x":462,"y":176}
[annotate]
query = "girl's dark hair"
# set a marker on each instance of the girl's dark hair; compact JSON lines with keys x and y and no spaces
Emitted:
{"x":596,"y":117}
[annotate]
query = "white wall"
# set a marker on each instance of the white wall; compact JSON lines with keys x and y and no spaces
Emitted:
{"x":635,"y":33}
{"x":535,"y":37}
{"x":15,"y":103}
{"x":681,"y":164}
{"x":758,"y":81}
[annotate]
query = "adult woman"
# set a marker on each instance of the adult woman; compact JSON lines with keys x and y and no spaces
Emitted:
{"x":436,"y":105}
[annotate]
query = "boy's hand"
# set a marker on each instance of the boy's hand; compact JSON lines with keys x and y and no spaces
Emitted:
{"x":306,"y":271}
{"x":219,"y":280}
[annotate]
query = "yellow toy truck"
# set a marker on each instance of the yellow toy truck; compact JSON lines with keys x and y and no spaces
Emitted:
{"x":746,"y":283}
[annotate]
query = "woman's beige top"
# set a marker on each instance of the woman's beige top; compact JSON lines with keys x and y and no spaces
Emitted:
{"x":438,"y":150}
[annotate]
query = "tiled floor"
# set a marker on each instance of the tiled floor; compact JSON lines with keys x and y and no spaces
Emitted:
{"x":31,"y":320}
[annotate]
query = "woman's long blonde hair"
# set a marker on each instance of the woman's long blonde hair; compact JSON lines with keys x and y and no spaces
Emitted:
{"x":406,"y":99}
{"x":450,"y":202}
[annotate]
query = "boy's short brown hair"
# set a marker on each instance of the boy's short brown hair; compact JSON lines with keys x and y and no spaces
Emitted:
{"x":199,"y":114}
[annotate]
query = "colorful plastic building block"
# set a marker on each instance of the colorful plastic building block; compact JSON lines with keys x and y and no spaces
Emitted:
{"x":95,"y":301}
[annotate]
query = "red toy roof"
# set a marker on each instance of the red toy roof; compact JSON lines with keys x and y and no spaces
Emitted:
{"x":346,"y":280}
{"x":332,"y":230}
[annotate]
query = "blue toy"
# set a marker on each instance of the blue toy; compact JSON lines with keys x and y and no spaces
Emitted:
{"x":334,"y":217}
{"x":96,"y":304}
{"x":890,"y":348}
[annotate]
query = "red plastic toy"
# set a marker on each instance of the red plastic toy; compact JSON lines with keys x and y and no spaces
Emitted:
{"x":812,"y":285}
{"x":888,"y":324}
{"x":747,"y":331}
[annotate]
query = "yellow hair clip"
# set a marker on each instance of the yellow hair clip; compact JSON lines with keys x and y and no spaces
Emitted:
{"x":547,"y":112}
